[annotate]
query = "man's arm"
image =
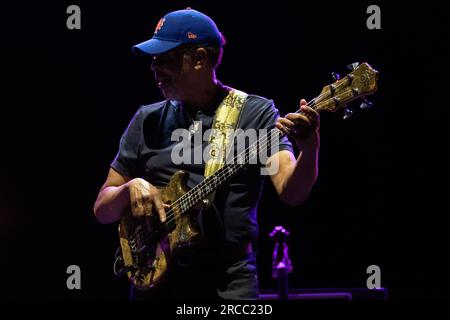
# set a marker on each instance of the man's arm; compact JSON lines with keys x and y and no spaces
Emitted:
{"x":295,"y":178}
{"x":113,"y":199}
{"x":120,"y":193}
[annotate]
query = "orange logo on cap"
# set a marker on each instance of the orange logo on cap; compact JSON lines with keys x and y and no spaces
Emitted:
{"x":191,"y":35}
{"x":159,"y":25}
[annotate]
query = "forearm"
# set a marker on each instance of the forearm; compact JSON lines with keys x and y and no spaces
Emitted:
{"x":299,"y":182}
{"x":111,"y":204}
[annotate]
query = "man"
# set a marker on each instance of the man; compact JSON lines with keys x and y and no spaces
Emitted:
{"x":186,"y":50}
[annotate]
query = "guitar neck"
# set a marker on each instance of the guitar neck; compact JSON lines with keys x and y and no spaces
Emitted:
{"x":228,"y":170}
{"x":360,"y":82}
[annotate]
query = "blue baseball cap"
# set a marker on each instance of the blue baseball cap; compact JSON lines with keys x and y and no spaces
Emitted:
{"x":180,"y":27}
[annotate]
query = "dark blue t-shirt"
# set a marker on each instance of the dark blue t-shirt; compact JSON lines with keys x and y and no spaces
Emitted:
{"x":146,"y":148}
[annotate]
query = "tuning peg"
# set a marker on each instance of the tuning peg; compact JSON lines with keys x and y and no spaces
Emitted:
{"x":366,"y":104}
{"x":347,"y":113}
{"x":353,"y":66}
{"x":335,"y":76}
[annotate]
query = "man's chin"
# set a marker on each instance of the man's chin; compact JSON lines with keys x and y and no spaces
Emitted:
{"x":167,"y":94}
{"x":170,"y":95}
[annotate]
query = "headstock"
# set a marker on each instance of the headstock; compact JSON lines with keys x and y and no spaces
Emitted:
{"x":362,"y":81}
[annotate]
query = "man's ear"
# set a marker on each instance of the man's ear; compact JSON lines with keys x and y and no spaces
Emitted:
{"x":200,"y":57}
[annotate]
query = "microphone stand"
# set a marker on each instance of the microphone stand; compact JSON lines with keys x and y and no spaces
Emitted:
{"x":281,"y":263}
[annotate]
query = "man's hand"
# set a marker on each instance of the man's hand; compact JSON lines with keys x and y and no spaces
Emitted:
{"x":303,"y":129}
{"x":145,"y":198}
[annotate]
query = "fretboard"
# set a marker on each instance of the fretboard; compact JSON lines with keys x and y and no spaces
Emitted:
{"x":225,"y":173}
{"x":232,"y":167}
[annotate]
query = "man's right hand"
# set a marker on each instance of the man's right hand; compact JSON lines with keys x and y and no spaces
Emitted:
{"x":145,"y":199}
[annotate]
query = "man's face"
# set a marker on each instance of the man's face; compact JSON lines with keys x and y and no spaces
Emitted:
{"x":174,"y":73}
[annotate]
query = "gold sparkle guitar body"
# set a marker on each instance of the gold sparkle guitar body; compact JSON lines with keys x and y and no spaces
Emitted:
{"x":147,"y":254}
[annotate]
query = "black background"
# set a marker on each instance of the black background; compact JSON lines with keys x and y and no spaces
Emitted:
{"x":381,"y":196}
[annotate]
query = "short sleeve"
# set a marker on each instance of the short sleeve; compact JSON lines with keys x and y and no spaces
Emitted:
{"x":272,"y":115}
{"x":261,"y":113}
{"x":126,"y":161}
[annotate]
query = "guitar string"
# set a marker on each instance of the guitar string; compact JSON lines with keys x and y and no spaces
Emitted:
{"x":261,"y":140}
{"x":189,"y":202}
{"x":223,"y":175}
{"x":183,"y":201}
{"x":192,"y":200}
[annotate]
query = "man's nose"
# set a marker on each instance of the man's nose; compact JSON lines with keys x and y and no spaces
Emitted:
{"x":155,"y":64}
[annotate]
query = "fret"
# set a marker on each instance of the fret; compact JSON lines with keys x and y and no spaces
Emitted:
{"x":211,"y":183}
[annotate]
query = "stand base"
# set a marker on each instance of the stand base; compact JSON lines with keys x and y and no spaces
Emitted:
{"x":328,"y":294}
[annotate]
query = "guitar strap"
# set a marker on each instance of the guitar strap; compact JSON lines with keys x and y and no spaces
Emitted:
{"x":223,"y":129}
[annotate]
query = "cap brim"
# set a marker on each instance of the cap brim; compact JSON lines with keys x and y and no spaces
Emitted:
{"x":154,"y":46}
